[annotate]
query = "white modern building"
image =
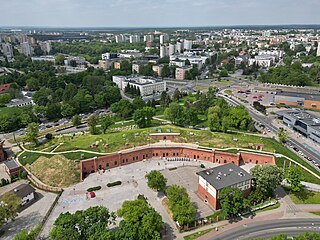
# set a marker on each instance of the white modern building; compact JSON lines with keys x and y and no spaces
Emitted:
{"x":134,"y":38}
{"x":147,"y":86}
{"x":164,"y":38}
{"x":318,"y":50}
{"x":163,"y":51}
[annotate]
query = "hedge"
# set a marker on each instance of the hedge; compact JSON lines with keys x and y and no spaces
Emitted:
{"x":92,"y":189}
{"x":112,"y":184}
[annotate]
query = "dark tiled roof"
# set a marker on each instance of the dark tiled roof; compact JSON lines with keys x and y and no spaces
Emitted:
{"x":23,"y":190}
{"x":225,"y":176}
{"x":12,"y":164}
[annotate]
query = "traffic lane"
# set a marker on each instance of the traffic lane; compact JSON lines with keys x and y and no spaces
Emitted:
{"x":265,"y":121}
{"x":267,"y":234}
{"x":243,"y":232}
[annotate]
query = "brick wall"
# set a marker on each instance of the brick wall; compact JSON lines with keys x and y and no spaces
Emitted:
{"x":147,"y":152}
{"x":256,"y":158}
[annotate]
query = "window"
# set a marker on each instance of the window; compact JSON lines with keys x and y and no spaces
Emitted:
{"x":225,"y":161}
{"x":157,"y":154}
{"x":107,"y":165}
{"x":163,"y":155}
{"x":146,"y":155}
{"x":194,"y":156}
{"x":115,"y":163}
{"x":174,"y":154}
{"x":122,"y":160}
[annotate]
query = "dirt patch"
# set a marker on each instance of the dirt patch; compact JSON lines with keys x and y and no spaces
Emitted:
{"x":57,"y":171}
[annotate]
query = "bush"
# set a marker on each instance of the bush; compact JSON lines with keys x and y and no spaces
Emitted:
{"x":112,"y":184}
{"x":92,"y":189}
{"x":202,"y":165}
{"x":49,"y":136}
{"x":4,"y":182}
{"x":23,"y":175}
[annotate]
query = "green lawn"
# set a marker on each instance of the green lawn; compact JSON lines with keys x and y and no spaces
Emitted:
{"x":197,"y":234}
{"x":9,"y":111}
{"x":316,"y":213}
{"x":305,"y":197}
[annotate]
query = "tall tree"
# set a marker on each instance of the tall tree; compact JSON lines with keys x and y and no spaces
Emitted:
{"x":232,"y":202}
{"x":106,"y":121}
{"x":140,"y":221}
{"x":92,"y":123}
{"x":294,"y":179}
{"x":267,"y":178}
{"x":9,"y":207}
{"x":156,"y":180}
{"x":32,"y":133}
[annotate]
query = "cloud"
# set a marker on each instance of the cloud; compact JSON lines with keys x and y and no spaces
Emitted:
{"x":137,"y":13}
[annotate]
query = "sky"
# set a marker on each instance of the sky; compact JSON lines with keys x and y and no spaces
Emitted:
{"x":157,"y":13}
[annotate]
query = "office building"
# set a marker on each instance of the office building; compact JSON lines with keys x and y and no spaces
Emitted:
{"x":120,"y":38}
{"x":148,"y":38}
{"x":147,"y":86}
{"x":318,"y":49}
{"x":158,"y":69}
{"x":163,"y":51}
{"x":212,"y":181}
{"x":45,"y":47}
{"x":303,"y":122}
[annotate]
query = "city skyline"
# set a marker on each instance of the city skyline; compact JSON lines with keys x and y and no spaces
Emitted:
{"x":152,"y":13}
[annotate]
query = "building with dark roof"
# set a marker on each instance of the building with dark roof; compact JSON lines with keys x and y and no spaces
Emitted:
{"x":212,"y":181}
{"x":12,"y":168}
{"x":25,"y":192}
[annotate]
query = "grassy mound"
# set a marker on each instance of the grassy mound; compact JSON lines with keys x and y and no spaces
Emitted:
{"x":56,"y":171}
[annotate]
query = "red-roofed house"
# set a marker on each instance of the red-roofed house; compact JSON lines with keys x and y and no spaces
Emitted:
{"x":4,"y":88}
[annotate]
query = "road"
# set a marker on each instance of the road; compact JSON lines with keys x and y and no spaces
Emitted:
{"x":259,"y":117}
{"x":266,"y":229}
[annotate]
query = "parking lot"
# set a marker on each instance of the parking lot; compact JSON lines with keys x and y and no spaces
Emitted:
{"x":265,"y":98}
{"x":31,"y":216}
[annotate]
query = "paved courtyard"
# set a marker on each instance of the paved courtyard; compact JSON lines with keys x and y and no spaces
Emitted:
{"x":186,"y":177}
{"x":30,"y":217}
{"x":134,"y":183}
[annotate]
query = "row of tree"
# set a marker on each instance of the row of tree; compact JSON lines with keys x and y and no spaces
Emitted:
{"x":139,"y":221}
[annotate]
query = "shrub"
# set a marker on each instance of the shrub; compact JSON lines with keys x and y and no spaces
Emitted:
{"x":112,"y":184}
{"x":202,"y":165}
{"x":92,"y":189}
{"x":49,"y":136}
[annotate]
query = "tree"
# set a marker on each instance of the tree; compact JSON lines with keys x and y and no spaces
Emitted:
{"x":140,"y":221}
{"x":10,"y":205}
{"x":282,"y":135}
{"x":91,"y":223}
{"x":156,"y":180}
{"x":76,"y":121}
{"x":294,"y":179}
{"x":67,"y":110}
{"x":267,"y":178}
{"x":123,"y":108}
{"x":73,"y":63}
{"x":92,"y":123}
{"x":143,"y":117}
{"x":33,"y":84}
{"x":32,"y":133}
{"x":4,"y":99}
{"x":164,"y":100}
{"x":105,"y":122}
{"x":214,"y":118}
{"x":175,"y":112}
{"x":232,"y":202}
{"x":176,"y":95}
{"x":60,"y":59}
{"x":138,"y":103}
{"x":180,"y":205}
{"x":165,"y":71}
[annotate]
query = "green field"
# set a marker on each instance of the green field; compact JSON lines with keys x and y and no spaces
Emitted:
{"x":112,"y":142}
{"x":305,"y":197}
{"x":9,"y":111}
